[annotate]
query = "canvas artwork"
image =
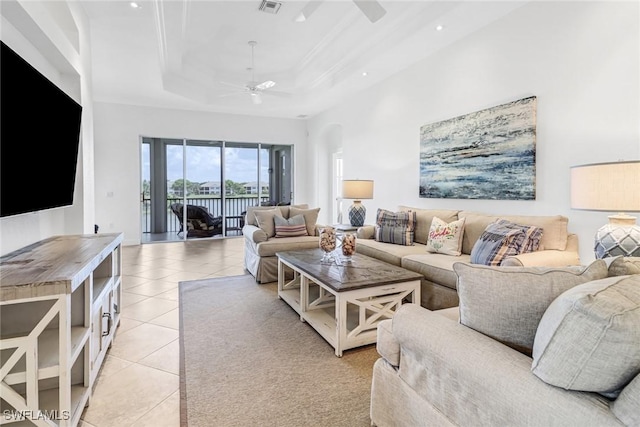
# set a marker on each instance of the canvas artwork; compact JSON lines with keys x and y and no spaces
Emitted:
{"x":488,"y":154}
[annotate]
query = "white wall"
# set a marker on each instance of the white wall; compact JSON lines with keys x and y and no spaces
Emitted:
{"x":581,"y":60}
{"x":31,"y":29}
{"x":118,"y":132}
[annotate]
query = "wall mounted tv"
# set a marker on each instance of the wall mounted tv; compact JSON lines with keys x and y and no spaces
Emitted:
{"x":39,"y":139}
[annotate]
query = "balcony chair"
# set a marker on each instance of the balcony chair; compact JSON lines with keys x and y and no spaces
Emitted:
{"x":200,"y":223}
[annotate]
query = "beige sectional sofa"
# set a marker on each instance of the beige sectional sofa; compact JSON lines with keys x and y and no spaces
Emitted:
{"x":260,"y":249}
{"x":449,"y":368}
{"x":558,"y":247}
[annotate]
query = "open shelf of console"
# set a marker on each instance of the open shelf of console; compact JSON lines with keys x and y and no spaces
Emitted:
{"x":59,"y":309}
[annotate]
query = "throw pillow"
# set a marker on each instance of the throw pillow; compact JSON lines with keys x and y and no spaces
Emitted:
{"x":589,"y":337}
{"x":395,"y":227}
{"x":424,"y":217}
{"x":265,"y":221}
{"x":555,"y":228}
{"x":507,"y":303}
{"x":294,"y":226}
{"x":310,"y":217}
{"x":445,"y":238}
{"x":502,"y":239}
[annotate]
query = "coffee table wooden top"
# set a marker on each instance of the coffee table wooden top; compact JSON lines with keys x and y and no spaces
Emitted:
{"x":363,"y":272}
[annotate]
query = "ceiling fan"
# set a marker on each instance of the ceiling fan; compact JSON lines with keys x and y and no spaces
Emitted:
{"x":253,"y":88}
{"x":371,"y":9}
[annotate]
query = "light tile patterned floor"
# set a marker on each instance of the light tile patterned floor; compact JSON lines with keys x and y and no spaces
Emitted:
{"x":139,"y":381}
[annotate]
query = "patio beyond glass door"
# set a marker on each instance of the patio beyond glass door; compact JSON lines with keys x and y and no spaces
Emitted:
{"x":195,"y":189}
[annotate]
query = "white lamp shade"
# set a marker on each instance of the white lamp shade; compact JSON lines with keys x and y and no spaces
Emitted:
{"x":357,"y":189}
{"x":612,"y":187}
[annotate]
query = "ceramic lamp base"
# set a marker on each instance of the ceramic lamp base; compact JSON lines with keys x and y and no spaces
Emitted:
{"x":618,"y":239}
{"x":357,"y":214}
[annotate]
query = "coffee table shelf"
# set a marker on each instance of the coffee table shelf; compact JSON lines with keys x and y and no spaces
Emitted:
{"x":344,"y":303}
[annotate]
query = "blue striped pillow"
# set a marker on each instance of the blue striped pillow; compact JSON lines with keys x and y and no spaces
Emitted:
{"x":395,"y":227}
{"x":502,"y":239}
{"x":292,"y":227}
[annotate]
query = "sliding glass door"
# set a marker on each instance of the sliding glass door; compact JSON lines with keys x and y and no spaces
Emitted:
{"x":194,"y":189}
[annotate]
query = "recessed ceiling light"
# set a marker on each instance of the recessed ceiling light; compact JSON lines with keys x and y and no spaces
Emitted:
{"x":365,"y":74}
{"x":439,"y":28}
{"x":135,"y":5}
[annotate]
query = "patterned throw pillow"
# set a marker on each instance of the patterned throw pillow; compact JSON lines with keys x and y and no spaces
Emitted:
{"x":445,"y":238}
{"x":395,"y":227}
{"x":294,"y":226}
{"x":532,"y":236}
{"x":502,"y":239}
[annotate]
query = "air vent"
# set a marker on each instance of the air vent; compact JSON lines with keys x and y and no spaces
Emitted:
{"x":270,"y":6}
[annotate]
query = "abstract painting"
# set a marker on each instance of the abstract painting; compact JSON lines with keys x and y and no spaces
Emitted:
{"x":488,"y":154}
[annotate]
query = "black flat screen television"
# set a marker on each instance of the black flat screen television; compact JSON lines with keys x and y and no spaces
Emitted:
{"x":39,"y":139}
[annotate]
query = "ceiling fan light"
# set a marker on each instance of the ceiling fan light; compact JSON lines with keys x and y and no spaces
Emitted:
{"x":256,"y":98}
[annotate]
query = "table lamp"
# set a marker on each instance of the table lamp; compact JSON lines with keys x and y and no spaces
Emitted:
{"x":612,"y":187}
{"x":357,"y":189}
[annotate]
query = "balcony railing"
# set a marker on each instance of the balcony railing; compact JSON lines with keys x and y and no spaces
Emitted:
{"x":234,"y":207}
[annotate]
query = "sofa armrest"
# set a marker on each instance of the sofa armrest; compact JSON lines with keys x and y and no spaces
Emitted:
{"x":366,"y":232}
{"x":476,"y":380}
{"x":547,"y":258}
{"x":386,"y":344}
{"x":389,"y":348}
{"x":256,"y":234}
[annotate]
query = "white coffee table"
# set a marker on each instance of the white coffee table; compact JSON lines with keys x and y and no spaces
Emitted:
{"x":344,"y":303}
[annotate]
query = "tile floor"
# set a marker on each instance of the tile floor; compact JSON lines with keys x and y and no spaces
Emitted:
{"x":139,"y":381}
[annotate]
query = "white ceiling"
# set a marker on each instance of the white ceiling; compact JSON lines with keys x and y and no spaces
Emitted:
{"x":184,"y":53}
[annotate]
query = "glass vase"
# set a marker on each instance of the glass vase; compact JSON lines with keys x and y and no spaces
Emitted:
{"x":327,"y":243}
{"x":348,"y":247}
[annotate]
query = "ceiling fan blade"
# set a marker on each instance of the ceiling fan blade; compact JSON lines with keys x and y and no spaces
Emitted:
{"x":371,"y":8}
{"x":307,"y":10}
{"x":266,"y":85}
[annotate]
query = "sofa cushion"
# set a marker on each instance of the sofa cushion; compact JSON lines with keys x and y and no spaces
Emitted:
{"x":445,"y":238}
{"x":271,"y":246}
{"x":554,"y":228}
{"x":395,"y":227}
{"x":424,"y":217}
{"x":310,"y":217}
{"x":291,"y":227}
{"x":589,"y":337}
{"x":387,"y":252}
{"x":507,"y":303}
{"x":436,"y":268}
{"x":250,"y":217}
{"x":625,"y":407}
{"x":265,"y":220}
{"x":502,"y":239}
{"x":622,"y":266}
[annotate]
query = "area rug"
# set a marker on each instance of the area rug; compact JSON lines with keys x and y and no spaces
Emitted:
{"x":246,"y":359}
